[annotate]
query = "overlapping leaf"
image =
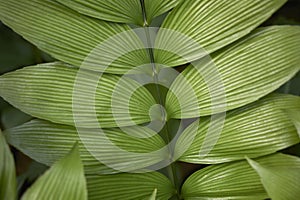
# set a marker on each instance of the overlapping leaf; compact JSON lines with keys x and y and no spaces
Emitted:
{"x":211,"y":25}
{"x":280,"y":176}
{"x":72,"y":37}
{"x":258,"y":129}
{"x":62,"y":94}
{"x":8,"y":186}
{"x":129,"y":186}
{"x":46,"y":142}
{"x":294,"y":115}
{"x":236,"y":180}
{"x":125,"y":11}
{"x":238,"y":74}
{"x":64,"y":180}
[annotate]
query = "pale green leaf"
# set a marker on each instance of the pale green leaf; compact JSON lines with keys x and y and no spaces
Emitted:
{"x":125,"y":11}
{"x":238,"y":74}
{"x":280,"y":176}
{"x":129,"y":186}
{"x":64,"y":94}
{"x":211,"y":25}
{"x":153,"y":195}
{"x":8,"y":186}
{"x":46,"y":142}
{"x":64,"y":180}
{"x":255,"y":130}
{"x":235,"y":180}
{"x":294,"y":115}
{"x":71,"y":37}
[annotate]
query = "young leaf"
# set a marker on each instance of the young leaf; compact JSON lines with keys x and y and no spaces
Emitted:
{"x":255,"y":130}
{"x":64,"y":180}
{"x":71,"y":37}
{"x":8,"y":184}
{"x":46,"y":142}
{"x":235,"y":180}
{"x":211,"y":24}
{"x":280,"y":176}
{"x":153,"y":195}
{"x":63,"y":94}
{"x":238,"y":74}
{"x":125,"y":11}
{"x":129,"y":186}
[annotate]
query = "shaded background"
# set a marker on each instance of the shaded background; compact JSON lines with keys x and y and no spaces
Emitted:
{"x":15,"y":52}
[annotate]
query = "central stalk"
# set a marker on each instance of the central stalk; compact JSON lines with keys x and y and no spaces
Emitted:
{"x":171,"y":169}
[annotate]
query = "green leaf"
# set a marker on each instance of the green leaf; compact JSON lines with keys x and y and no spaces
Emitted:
{"x":64,"y":180}
{"x":235,"y":180}
{"x":8,"y":185}
{"x":238,"y":74}
{"x":63,"y":94}
{"x":211,"y":25}
{"x":71,"y":37}
{"x":125,"y":11}
{"x":294,"y":115}
{"x":255,"y":130}
{"x":46,"y":142}
{"x":153,"y":195}
{"x":280,"y":176}
{"x":129,"y":186}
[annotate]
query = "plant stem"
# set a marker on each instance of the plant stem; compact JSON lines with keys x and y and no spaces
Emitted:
{"x":171,"y":169}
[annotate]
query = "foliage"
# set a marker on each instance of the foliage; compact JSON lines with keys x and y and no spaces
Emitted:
{"x":139,"y":101}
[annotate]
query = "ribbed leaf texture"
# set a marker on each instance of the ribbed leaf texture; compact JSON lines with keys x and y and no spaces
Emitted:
{"x":237,"y":75}
{"x":255,"y":130}
{"x":129,"y":186}
{"x":71,"y":37}
{"x":280,"y":176}
{"x":64,"y":180}
{"x":47,"y":142}
{"x":125,"y":11}
{"x":63,"y":94}
{"x":211,"y":24}
{"x":8,"y":185}
{"x":235,"y":180}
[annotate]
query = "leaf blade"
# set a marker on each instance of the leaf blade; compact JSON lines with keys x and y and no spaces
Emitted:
{"x":235,"y":180}
{"x":280,"y":176}
{"x":238,"y":74}
{"x":255,"y":130}
{"x":71,"y":37}
{"x":129,"y":186}
{"x":46,"y":142}
{"x":65,"y":180}
{"x":121,"y":11}
{"x":8,"y":183}
{"x":71,"y":99}
{"x":211,"y":24}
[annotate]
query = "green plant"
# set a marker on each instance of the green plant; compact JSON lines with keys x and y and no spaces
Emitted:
{"x":135,"y":119}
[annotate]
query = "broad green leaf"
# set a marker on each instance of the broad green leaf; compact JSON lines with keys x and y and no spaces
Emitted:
{"x":125,"y":11}
{"x":255,"y":130}
{"x":280,"y":176}
{"x":46,"y":142}
{"x":8,"y":184}
{"x":235,"y":180}
{"x":64,"y":180}
{"x":211,"y":25}
{"x":294,"y":115}
{"x":63,"y":94}
{"x":71,"y":37}
{"x":129,"y":186}
{"x":238,"y":74}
